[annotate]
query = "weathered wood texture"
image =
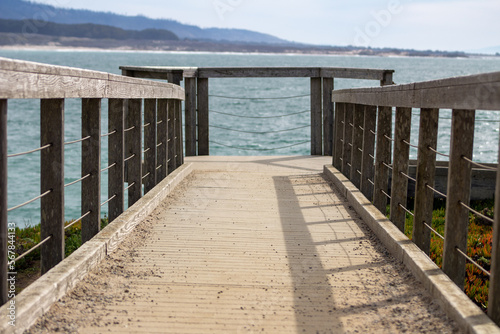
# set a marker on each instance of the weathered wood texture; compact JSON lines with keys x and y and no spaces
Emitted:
{"x":347,"y":141}
{"x":116,"y":122}
{"x":316,"y":118}
{"x":494,"y":288}
{"x":357,"y":144}
{"x":91,"y":165}
{"x":338,"y":135}
{"x":22,"y":79}
{"x":134,"y":150}
{"x":149,"y":145}
{"x":399,"y":187}
{"x":367,"y":160}
{"x":3,"y":203}
{"x":190,"y":116}
{"x":172,"y":146}
{"x":383,"y":154}
{"x":459,"y":176}
{"x":468,"y":92}
{"x":178,"y":134}
{"x":162,"y":145}
{"x":426,"y":169}
{"x":52,"y":179}
{"x":327,"y":116}
{"x":203,"y":117}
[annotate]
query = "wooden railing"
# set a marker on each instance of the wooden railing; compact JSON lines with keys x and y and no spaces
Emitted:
{"x":163,"y":152}
{"x":363,"y":120}
{"x":197,"y":96}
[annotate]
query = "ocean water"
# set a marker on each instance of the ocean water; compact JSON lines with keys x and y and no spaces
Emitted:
{"x":230,"y":134}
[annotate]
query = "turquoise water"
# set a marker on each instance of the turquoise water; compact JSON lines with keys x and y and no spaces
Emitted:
{"x":24,"y":119}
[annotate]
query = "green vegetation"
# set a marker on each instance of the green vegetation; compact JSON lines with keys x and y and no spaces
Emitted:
{"x":479,"y":243}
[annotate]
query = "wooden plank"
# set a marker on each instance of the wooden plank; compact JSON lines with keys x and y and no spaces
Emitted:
{"x":338,"y":135}
{"x":426,"y":170}
{"x":467,"y":92}
{"x":347,"y":143}
{"x":22,"y":79}
{"x":357,"y":144}
{"x":327,"y":116}
{"x":190,"y":116}
{"x":258,"y":72}
{"x":4,"y":244}
{"x":149,"y":145}
{"x":162,"y":146}
{"x":367,"y":161}
{"x":459,"y":176}
{"x":203,"y":117}
{"x":159,"y":72}
{"x":400,"y":160}
{"x":316,"y":118}
{"x":172,"y":145}
{"x":178,"y":134}
{"x":52,"y":179}
{"x":383,"y":154}
{"x":494,"y":288}
{"x":116,"y":122}
{"x":91,"y":165}
{"x":134,"y":150}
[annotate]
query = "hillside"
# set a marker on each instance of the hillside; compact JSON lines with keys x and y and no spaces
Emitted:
{"x":22,"y":10}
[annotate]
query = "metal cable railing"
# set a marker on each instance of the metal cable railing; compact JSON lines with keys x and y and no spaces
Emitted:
{"x":260,"y":132}
{"x":259,"y":98}
{"x":259,"y":149}
{"x":259,"y":117}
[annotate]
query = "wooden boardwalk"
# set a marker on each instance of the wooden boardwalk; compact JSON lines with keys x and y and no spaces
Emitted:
{"x":250,"y":244}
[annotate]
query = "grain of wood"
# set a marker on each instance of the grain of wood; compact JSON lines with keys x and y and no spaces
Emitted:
{"x":249,"y":244}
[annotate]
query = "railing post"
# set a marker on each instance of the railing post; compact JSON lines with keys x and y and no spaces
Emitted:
{"x":116,"y":122}
{"x":172,"y":145}
{"x":399,"y":187}
{"x":327,"y":116}
{"x":367,"y":162}
{"x":357,"y":144}
{"x":190,"y":116}
{"x":383,"y":154}
{"x":134,"y":148}
{"x":178,"y":134}
{"x":149,"y":144}
{"x":347,"y":144}
{"x":494,"y":289}
{"x":316,"y":126}
{"x":91,"y":165}
{"x":426,"y":170}
{"x":162,"y":146}
{"x":203,"y":117}
{"x":459,"y":181}
{"x":52,"y":179}
{"x":3,"y":203}
{"x":338,"y":135}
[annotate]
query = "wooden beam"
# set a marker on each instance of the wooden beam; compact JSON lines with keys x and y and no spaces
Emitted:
{"x":203,"y":118}
{"x":357,"y":144}
{"x":52,"y":179}
{"x":172,"y":146}
{"x":149,"y":145}
{"x":367,"y":161}
{"x":162,"y":146}
{"x":327,"y":116}
{"x":116,"y":122}
{"x":178,"y":134}
{"x":338,"y":135}
{"x":347,"y":143}
{"x":316,"y":117}
{"x":383,"y":154}
{"x":4,"y":240}
{"x":134,"y":150}
{"x":91,"y":165}
{"x":190,"y":116}
{"x":494,"y":288}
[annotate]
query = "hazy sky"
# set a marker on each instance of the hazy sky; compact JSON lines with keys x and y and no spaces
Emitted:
{"x":419,"y":24}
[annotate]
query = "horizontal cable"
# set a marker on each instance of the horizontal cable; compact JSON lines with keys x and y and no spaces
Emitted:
{"x":360,"y":150}
{"x":130,"y":186}
{"x":349,"y":164}
{"x":371,"y":156}
{"x":473,"y":262}
{"x":158,"y":145}
{"x":260,"y":133}
{"x":436,"y":191}
{"x":477,"y":120}
{"x":30,"y":201}
{"x":408,"y":176}
{"x":244,"y":116}
{"x":76,"y":141}
{"x":146,"y":150}
{"x":108,"y":200}
{"x":110,"y":166}
{"x":109,"y":133}
{"x":386,"y":165}
{"x":372,"y":183}
{"x":160,"y":166}
{"x":145,"y":176}
{"x":350,"y":144}
{"x":351,"y":125}
{"x":407,"y":211}
{"x":127,"y":159}
{"x":477,"y":212}
{"x":159,"y":122}
{"x":32,"y":248}
{"x":409,"y":144}
{"x":77,"y":220}
{"x":361,"y":128}
{"x":386,"y":194}
{"x":373,"y":132}
{"x":76,"y":181}
{"x":28,"y":152}
{"x":388,"y":138}
{"x":129,"y":129}
{"x":433,"y":230}
{"x":260,"y":149}
{"x":259,"y":98}
{"x":478,"y":164}
{"x":146,"y":125}
{"x":358,"y":171}
{"x":441,"y":154}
